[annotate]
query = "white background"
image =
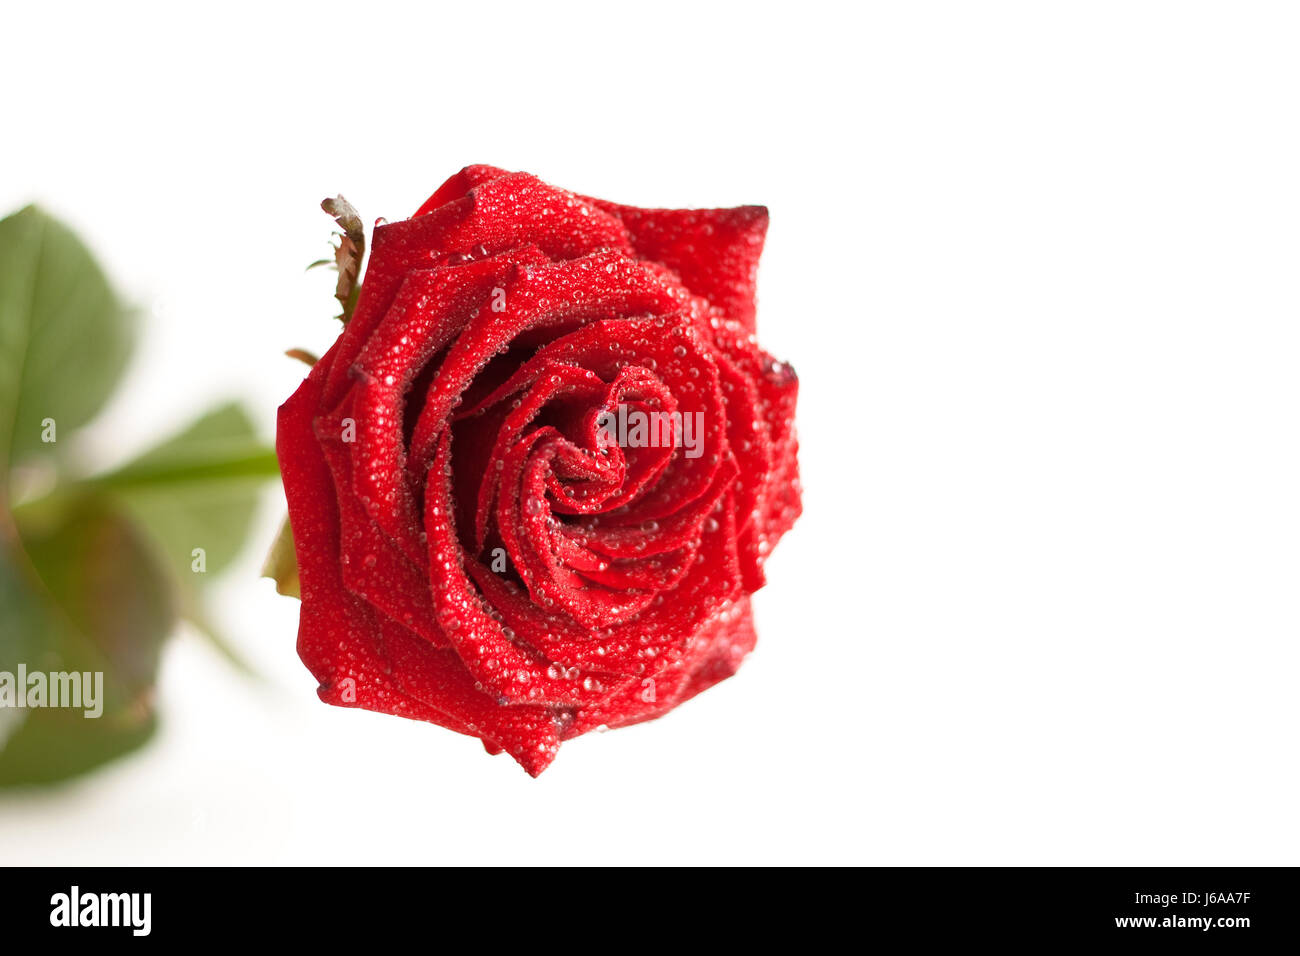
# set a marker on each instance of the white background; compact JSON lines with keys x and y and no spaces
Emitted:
{"x":1036,"y":266}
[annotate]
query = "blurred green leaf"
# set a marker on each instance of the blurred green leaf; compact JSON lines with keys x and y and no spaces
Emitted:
{"x":93,"y":600}
{"x":94,"y":574}
{"x":196,"y":494}
{"x":52,"y":745}
{"x":198,"y":490}
{"x":64,"y":335}
{"x":27,"y":614}
{"x":80,"y":593}
{"x":107,"y":583}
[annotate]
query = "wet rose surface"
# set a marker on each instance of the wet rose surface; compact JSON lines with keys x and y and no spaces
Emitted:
{"x":533,"y":484}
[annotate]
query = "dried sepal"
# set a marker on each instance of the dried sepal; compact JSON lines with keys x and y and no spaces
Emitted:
{"x":347,"y":254}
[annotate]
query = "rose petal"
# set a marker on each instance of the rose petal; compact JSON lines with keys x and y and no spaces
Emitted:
{"x":715,"y":251}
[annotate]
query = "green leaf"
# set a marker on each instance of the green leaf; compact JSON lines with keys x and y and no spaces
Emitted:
{"x":197,"y":494}
{"x":64,"y":335}
{"x":49,"y":746}
{"x":198,"y":491}
{"x":27,"y":614}
{"x":93,"y":600}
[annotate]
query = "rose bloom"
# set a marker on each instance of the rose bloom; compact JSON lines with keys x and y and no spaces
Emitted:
{"x":485,"y":538}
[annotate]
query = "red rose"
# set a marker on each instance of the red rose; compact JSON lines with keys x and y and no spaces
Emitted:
{"x":533,"y":483}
